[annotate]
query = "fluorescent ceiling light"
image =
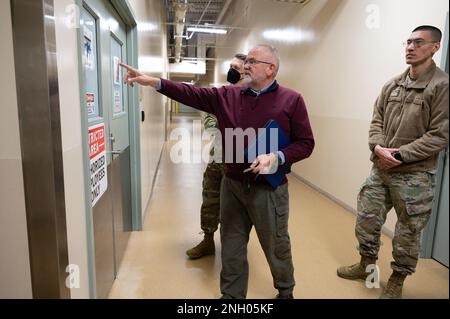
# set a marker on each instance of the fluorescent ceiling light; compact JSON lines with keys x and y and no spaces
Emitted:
{"x":151,"y":64}
{"x":217,"y":84}
{"x":188,"y":67}
{"x":207,"y":30}
{"x":291,"y":35}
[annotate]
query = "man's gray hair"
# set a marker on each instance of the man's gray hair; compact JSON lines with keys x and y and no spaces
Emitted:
{"x":274,"y":52}
{"x":240,"y":56}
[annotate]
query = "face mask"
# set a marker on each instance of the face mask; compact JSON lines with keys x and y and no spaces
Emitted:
{"x":233,"y":76}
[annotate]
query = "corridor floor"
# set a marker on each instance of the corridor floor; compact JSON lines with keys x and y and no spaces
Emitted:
{"x":322,"y":235}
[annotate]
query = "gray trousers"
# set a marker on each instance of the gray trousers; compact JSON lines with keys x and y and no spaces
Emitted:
{"x":268,"y":210}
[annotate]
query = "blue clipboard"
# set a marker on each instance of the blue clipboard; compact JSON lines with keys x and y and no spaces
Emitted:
{"x":271,"y":139}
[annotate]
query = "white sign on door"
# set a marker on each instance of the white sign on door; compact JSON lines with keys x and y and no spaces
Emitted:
{"x":98,"y":163}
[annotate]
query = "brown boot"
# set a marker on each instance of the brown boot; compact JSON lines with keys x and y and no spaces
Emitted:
{"x":205,"y":248}
{"x":356,"y":271}
{"x":394,"y":286}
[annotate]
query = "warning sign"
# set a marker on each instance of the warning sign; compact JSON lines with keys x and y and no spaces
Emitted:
{"x":98,"y":164}
{"x":90,"y":103}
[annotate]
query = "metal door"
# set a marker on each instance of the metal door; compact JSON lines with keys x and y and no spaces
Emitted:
{"x":440,"y":240}
{"x":104,"y":47}
{"x":435,"y":235}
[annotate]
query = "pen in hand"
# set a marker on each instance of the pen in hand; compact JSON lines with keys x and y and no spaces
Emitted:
{"x":248,"y":170}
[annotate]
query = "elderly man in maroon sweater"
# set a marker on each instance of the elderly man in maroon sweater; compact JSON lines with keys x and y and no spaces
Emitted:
{"x":248,"y":201}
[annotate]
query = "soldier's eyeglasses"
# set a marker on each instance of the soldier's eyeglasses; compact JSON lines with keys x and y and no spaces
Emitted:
{"x":417,"y":43}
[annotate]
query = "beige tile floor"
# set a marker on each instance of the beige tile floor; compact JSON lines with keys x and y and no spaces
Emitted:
{"x":322,"y":235}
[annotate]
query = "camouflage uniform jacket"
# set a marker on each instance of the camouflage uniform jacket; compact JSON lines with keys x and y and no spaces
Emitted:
{"x":414,"y":118}
{"x":210,"y":123}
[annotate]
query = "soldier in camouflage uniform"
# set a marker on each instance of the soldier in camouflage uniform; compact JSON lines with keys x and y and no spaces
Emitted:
{"x":409,"y":128}
{"x":212,"y":177}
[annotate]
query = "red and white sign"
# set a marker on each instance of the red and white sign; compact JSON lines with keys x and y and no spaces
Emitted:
{"x":90,"y":103}
{"x":96,"y":140}
{"x":98,"y":163}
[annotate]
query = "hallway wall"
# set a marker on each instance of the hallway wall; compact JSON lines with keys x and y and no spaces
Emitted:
{"x":15,"y":275}
{"x":152,"y":40}
{"x":339,"y":71}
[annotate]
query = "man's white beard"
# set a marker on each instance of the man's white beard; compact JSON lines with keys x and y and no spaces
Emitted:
{"x":246,"y":81}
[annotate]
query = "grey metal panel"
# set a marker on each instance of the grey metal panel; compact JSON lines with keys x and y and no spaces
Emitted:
{"x":134,"y":118}
{"x":103,"y":241}
{"x":40,"y":131}
{"x":112,"y":223}
{"x":440,"y":242}
{"x":429,"y":232}
{"x":445,"y":47}
{"x":121,"y":189}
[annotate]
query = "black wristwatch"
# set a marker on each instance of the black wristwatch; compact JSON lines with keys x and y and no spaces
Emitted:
{"x":398,"y":156}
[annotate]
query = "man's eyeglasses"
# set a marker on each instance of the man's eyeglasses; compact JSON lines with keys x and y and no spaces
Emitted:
{"x":254,"y":61}
{"x":417,"y":43}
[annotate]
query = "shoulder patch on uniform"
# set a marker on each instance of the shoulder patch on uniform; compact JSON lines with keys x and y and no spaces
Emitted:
{"x":396,"y":92}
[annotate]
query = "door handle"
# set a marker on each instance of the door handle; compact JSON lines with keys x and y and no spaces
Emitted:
{"x":113,"y":152}
{"x":117,"y":152}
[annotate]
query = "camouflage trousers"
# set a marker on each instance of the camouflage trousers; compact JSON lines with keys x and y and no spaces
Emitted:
{"x":411,"y":195}
{"x":210,"y":210}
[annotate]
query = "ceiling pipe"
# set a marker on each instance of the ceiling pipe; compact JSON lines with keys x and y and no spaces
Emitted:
{"x":180,"y":10}
{"x":200,"y":20}
{"x":204,"y":42}
{"x":224,"y":10}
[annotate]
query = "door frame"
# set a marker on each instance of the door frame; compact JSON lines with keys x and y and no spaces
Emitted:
{"x":429,"y":231}
{"x":124,"y":10}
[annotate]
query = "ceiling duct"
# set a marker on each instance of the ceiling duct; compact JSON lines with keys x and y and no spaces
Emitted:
{"x":180,"y":10}
{"x":222,"y":13}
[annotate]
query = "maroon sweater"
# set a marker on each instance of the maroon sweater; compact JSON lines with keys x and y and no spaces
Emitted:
{"x":236,"y":107}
